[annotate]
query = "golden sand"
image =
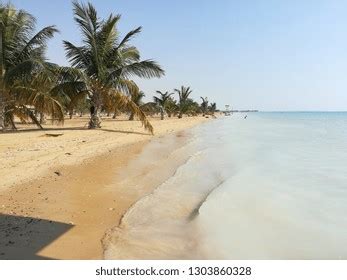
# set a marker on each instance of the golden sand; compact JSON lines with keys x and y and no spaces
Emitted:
{"x":55,"y":196}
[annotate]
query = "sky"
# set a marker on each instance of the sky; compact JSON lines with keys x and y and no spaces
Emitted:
{"x":270,"y":55}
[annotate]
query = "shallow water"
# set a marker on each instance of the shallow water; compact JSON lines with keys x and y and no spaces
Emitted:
{"x":272,"y":186}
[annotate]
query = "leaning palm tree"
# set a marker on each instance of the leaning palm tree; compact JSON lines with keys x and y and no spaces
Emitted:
{"x":71,"y":97}
{"x":183,"y":95}
{"x":107,"y":62}
{"x":37,"y":95}
{"x":204,"y":105}
{"x":26,"y":77}
{"x":136,"y":96}
{"x":162,"y":102}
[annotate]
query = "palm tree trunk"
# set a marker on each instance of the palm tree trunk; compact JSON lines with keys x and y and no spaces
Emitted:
{"x":35,"y":120}
{"x":161,"y":114}
{"x":95,"y":120}
{"x":2,"y":98}
{"x":132,"y":115}
{"x":42,"y":118}
{"x":70,"y":113}
{"x":95,"y":110}
{"x":2,"y":112}
{"x":11,"y":121}
{"x":114,"y":114}
{"x":180,"y":115}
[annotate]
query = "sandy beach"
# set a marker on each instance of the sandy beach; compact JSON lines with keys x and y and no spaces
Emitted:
{"x":64,"y":187}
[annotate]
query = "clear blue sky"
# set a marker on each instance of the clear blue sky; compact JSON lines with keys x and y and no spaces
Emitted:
{"x":263,"y":54}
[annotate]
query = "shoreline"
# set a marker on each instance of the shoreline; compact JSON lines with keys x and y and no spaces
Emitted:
{"x":165,"y":223}
{"x":46,"y":217}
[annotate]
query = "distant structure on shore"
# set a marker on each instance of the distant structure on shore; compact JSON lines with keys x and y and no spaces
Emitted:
{"x":228,"y":111}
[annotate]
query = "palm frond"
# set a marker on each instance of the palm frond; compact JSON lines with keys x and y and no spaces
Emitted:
{"x":144,"y":69}
{"x":24,"y":70}
{"x":38,"y":40}
{"x":129,"y":54}
{"x":78,"y":56}
{"x":129,"y":36}
{"x":124,"y":101}
{"x":87,"y":19}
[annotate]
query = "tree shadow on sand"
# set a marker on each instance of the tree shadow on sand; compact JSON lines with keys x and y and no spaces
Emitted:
{"x":61,"y":129}
{"x":21,"y":238}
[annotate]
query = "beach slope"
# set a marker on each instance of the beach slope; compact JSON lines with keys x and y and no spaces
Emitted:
{"x":60,"y":188}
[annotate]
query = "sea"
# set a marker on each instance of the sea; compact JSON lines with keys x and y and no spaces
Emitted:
{"x":272,"y":185}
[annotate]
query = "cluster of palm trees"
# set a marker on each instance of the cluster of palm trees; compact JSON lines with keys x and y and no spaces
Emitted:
{"x":164,"y":103}
{"x":98,"y":78}
{"x":183,"y":105}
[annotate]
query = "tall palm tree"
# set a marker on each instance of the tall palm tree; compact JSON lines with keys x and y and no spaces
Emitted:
{"x":26,"y":77}
{"x":162,"y":101}
{"x":183,"y":95}
{"x":107,"y":62}
{"x":204,"y":105}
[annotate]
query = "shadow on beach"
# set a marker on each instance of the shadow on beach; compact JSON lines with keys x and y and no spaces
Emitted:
{"x":21,"y":238}
{"x":62,"y":129}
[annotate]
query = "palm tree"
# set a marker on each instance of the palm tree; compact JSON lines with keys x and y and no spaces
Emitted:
{"x":212,"y":108}
{"x":26,"y":78}
{"x":162,"y":102}
{"x":106,"y":62}
{"x":150,"y":108}
{"x":71,"y":97}
{"x":136,"y":96}
{"x":82,"y":107}
{"x":192,"y":108}
{"x":183,"y":95}
{"x":171,"y":107}
{"x":204,"y":106}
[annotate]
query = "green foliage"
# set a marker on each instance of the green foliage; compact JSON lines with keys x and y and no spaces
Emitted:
{"x":162,"y":101}
{"x":171,"y":107}
{"x":204,"y":105}
{"x":99,"y":77}
{"x":183,"y":95}
{"x":106,"y":62}
{"x":26,"y":78}
{"x":212,"y":108}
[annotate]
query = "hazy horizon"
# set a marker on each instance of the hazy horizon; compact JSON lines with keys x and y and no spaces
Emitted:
{"x":288,"y":56}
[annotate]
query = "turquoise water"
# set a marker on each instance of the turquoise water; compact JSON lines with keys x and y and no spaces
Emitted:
{"x":284,"y":193}
{"x":272,"y":186}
